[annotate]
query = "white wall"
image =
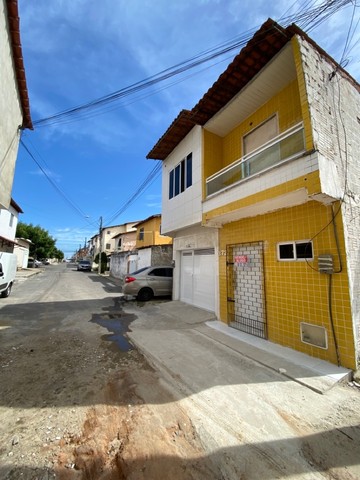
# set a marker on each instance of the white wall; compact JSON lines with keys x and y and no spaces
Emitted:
{"x":191,"y":239}
{"x":184,"y":209}
{"x":144,"y":258}
{"x":8,"y":222}
{"x":10,"y":113}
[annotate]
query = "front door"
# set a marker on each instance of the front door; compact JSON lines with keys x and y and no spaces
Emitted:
{"x":245,"y":287}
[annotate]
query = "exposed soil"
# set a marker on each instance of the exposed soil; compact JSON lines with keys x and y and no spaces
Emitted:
{"x":78,"y":402}
{"x":96,"y":414}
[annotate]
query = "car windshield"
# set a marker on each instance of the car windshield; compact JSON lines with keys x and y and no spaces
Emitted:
{"x":84,"y":262}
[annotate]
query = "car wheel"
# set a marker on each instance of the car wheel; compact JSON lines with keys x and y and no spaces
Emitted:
{"x":6,"y":292}
{"x":145,"y":295}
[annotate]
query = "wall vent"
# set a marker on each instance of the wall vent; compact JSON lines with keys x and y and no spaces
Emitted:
{"x":313,"y":335}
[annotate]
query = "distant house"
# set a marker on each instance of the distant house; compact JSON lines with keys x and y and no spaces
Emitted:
{"x":148,"y":247}
{"x":153,"y":248}
{"x":149,"y":233}
{"x":21,"y":250}
{"x":260,"y":188}
{"x":108,"y":239}
{"x":14,"y":101}
{"x":8,"y":223}
{"x":125,"y":242}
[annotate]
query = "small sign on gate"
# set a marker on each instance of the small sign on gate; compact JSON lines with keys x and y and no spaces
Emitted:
{"x":241,"y":259}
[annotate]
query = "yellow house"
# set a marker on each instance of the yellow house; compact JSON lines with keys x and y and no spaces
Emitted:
{"x":149,"y":233}
{"x":261,"y":188}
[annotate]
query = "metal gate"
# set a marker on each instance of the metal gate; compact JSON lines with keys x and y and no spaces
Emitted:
{"x":245,"y":288}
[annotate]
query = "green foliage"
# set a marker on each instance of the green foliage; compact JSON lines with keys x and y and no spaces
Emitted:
{"x":103,"y":261}
{"x":43,"y":245}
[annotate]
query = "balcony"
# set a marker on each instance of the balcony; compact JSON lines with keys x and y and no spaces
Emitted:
{"x":284,"y":147}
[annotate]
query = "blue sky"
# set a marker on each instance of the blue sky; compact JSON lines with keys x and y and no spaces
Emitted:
{"x":76,"y":51}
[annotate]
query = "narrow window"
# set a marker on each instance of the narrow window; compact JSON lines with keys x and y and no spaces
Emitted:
{"x":182,"y":176}
{"x":171,"y":184}
{"x":141,"y":234}
{"x":177,"y":180}
{"x":189,"y":170}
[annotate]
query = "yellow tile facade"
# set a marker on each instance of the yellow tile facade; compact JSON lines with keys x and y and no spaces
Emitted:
{"x":294,"y":290}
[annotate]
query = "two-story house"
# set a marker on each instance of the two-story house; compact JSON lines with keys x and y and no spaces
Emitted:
{"x":153,"y":248}
{"x":261,"y":188}
{"x":14,"y":101}
{"x":108,"y":238}
{"x":147,"y":247}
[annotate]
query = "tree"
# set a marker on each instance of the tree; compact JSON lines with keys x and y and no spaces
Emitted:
{"x":103,"y":261}
{"x":43,"y":245}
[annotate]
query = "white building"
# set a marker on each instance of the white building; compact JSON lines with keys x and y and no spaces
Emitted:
{"x":14,"y":101}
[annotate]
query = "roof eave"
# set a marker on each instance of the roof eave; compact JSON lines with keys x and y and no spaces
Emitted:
{"x":14,"y":28}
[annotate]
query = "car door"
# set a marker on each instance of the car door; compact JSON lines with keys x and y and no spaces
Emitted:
{"x":160,"y":280}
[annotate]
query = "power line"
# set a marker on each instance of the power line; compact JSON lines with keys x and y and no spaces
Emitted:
{"x":308,"y":19}
{"x":151,"y":177}
{"x":51,"y":181}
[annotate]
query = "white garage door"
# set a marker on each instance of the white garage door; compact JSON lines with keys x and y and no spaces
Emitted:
{"x":198,"y":278}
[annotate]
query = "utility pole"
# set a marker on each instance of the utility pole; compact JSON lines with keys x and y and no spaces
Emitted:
{"x":100,"y":241}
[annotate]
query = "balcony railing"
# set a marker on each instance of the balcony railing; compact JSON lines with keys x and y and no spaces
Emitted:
{"x":288,"y":145}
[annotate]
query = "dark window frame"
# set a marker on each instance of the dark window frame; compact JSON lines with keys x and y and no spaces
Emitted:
{"x":295,"y":251}
{"x":180,"y":177}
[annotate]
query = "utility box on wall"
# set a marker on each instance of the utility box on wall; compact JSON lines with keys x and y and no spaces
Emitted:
{"x":313,"y":335}
{"x":326,"y":264}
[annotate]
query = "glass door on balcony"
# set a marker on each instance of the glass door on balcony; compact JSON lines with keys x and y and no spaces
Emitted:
{"x":288,"y":145}
{"x":245,"y":288}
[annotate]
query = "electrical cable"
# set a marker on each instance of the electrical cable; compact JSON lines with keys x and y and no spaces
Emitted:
{"x":57,"y":188}
{"x":151,"y":177}
{"x":308,"y":19}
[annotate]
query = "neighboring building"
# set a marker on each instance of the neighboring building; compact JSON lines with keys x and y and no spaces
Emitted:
{"x":149,"y":233}
{"x":14,"y":101}
{"x":8,"y":223}
{"x":153,"y":248}
{"x":125,"y":242}
{"x":261,"y":188}
{"x":21,"y":250}
{"x":149,"y":247}
{"x":108,"y":239}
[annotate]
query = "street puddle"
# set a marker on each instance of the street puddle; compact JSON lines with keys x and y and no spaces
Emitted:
{"x":118,"y":325}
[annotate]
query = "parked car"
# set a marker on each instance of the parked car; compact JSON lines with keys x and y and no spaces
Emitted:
{"x":33,"y":263}
{"x":8,"y":264}
{"x":149,"y":282}
{"x":84,"y":265}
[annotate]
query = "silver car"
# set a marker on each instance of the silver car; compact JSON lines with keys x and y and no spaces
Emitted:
{"x":149,"y":282}
{"x":84,"y":265}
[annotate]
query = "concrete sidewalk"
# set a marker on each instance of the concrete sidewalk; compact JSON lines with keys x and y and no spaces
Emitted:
{"x":26,"y":273}
{"x":171,"y":333}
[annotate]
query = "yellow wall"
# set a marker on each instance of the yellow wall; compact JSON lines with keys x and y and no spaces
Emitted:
{"x":152,"y":234}
{"x":295,"y":292}
{"x":220,"y":152}
{"x":286,"y":104}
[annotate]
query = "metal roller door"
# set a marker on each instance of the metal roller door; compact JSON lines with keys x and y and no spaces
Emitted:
{"x":198,"y":278}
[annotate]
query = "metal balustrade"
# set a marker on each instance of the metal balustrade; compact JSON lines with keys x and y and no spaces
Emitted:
{"x":284,"y":147}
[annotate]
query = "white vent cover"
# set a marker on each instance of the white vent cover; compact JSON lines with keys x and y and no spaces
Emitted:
{"x":314,"y":335}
